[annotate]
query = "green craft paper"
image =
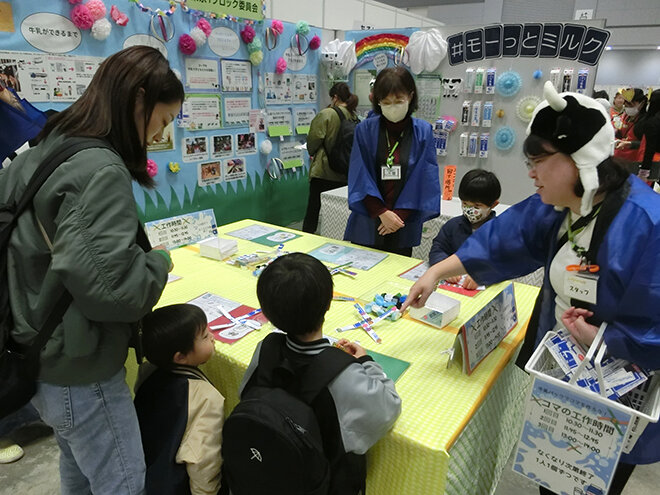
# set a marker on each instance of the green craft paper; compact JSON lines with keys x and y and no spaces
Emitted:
{"x":292,"y":163}
{"x":392,"y":367}
{"x":279,"y":130}
{"x":302,"y":129}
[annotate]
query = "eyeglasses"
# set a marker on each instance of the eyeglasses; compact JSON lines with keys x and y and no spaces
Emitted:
{"x":532,"y":163}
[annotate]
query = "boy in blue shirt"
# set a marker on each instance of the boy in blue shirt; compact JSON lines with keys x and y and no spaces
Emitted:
{"x":479,"y":192}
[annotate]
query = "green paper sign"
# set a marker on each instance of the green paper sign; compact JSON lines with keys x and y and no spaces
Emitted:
{"x":279,"y":130}
{"x":302,"y":129}
{"x":245,"y":9}
{"x":292,"y":163}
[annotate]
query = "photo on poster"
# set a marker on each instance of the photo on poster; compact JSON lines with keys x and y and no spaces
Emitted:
{"x":246,"y":144}
{"x":9,"y":74}
{"x":234,"y":169}
{"x":257,"y":121}
{"x":194,"y":149}
{"x":223,"y":146}
{"x":209,"y":173}
{"x":166,"y":142}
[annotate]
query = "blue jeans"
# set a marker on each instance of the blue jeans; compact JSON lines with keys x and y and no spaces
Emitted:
{"x":98,"y":434}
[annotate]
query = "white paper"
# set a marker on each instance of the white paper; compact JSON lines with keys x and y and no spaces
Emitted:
{"x":200,"y":112}
{"x":252,"y":232}
{"x":201,"y":73}
{"x":237,"y":111}
{"x":236,"y":76}
{"x":279,"y":88}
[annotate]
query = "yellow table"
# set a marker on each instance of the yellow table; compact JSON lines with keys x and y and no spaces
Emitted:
{"x":438,"y":403}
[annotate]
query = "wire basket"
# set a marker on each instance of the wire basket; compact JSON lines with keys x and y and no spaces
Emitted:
{"x":642,"y":403}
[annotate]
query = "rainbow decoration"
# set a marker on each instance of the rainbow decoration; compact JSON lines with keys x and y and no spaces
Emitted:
{"x":392,"y":44}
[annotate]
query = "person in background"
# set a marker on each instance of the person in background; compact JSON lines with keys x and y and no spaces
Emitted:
{"x":603,"y":98}
{"x":617,"y":110}
{"x":630,"y":144}
{"x":20,"y":123}
{"x":87,"y":212}
{"x":588,"y":210}
{"x":322,"y":135}
{"x":479,"y":192}
{"x":650,"y":130}
{"x":179,"y":410}
{"x":393,"y":181}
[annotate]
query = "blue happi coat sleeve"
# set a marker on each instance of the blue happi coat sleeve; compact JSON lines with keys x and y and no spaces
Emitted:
{"x":513,"y":244}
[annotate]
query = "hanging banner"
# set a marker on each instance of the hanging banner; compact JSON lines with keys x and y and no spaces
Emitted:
{"x":245,"y":9}
{"x":546,"y":40}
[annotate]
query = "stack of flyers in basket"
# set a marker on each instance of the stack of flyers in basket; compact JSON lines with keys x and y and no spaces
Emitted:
{"x":619,"y":376}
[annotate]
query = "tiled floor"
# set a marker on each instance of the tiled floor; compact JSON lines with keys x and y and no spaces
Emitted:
{"x":37,"y":472}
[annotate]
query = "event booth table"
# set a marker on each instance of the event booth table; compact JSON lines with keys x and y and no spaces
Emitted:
{"x":455,"y":431}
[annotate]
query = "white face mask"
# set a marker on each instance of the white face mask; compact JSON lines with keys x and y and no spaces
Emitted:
{"x":631,"y":111}
{"x":395,"y":112}
{"x":474,"y":214}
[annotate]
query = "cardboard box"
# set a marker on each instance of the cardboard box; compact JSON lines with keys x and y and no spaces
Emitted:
{"x":218,"y":249}
{"x":438,"y":311}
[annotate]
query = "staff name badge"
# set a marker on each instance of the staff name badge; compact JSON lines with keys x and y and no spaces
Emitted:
{"x":581,"y":286}
{"x":390,"y":173}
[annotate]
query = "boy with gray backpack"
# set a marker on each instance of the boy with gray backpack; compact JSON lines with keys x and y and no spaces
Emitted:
{"x":309,"y":411}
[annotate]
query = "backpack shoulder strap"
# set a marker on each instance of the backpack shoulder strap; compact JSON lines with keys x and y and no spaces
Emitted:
{"x":64,"y":151}
{"x":340,"y":114}
{"x":322,"y":370}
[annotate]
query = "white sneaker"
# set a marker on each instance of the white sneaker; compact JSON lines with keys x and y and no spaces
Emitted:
{"x":10,"y":452}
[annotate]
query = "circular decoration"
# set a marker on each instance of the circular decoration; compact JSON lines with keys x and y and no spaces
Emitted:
{"x":380,"y":61}
{"x":294,"y":61}
{"x":315,"y":43}
{"x":525,"y":107}
{"x":224,"y":42}
{"x":280,"y":66}
{"x":101,"y":29}
{"x":82,"y":17}
{"x":162,"y":28}
{"x":505,"y":138}
{"x":538,"y":74}
{"x":508,"y":84}
{"x":187,"y":44}
{"x":256,"y":57}
{"x":302,"y":28}
{"x":266,"y":147}
{"x":152,"y":168}
{"x":34,"y":27}
{"x":247,"y":34}
{"x":96,"y":9}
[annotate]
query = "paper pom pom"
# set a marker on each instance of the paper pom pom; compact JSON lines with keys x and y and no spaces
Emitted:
{"x":256,"y":57}
{"x":96,"y":9}
{"x":81,"y":17}
{"x":277,"y":26}
{"x":119,"y":17}
{"x":247,"y":34}
{"x":198,"y":35}
{"x":174,"y":167}
{"x":525,"y":107}
{"x":266,"y":147}
{"x":205,"y":26}
{"x":152,"y":168}
{"x":101,"y":29}
{"x":73,"y":2}
{"x":280,"y":67}
{"x":538,"y":74}
{"x":504,"y":138}
{"x":315,"y":43}
{"x":255,"y":46}
{"x":187,"y":44}
{"x":302,"y":27}
{"x":509,"y":83}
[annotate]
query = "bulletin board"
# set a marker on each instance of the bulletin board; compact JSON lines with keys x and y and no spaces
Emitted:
{"x":210,"y":155}
{"x":528,"y":54}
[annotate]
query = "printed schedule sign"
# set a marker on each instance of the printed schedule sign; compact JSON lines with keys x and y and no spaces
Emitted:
{"x":181,"y":230}
{"x":570,"y":442}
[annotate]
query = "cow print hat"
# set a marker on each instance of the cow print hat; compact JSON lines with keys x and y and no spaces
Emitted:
{"x":577,"y":126}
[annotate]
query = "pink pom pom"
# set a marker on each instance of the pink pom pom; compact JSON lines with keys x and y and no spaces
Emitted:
{"x":96,"y":9}
{"x":247,"y":34}
{"x":280,"y":67}
{"x":73,"y":2}
{"x":205,"y":26}
{"x":187,"y":44}
{"x":152,"y":168}
{"x":277,"y":26}
{"x":314,"y":43}
{"x":81,"y":17}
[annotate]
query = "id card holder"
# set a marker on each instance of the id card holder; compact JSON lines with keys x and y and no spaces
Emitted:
{"x":581,"y":286}
{"x":390,"y":173}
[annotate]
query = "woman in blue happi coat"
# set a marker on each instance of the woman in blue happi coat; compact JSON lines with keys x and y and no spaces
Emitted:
{"x":393,"y":181}
{"x":587,"y":210}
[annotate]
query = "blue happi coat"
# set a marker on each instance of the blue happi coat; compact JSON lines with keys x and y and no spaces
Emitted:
{"x":524,"y":238}
{"x":420,"y":193}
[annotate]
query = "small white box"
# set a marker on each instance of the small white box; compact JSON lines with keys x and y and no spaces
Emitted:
{"x":438,"y":311}
{"x":217,"y":248}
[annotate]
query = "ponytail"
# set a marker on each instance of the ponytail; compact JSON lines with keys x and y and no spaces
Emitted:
{"x":343,"y":92}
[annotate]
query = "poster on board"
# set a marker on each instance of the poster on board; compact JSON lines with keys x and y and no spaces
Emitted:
{"x":223,"y":146}
{"x":237,"y":111}
{"x":201,"y":73}
{"x":200,"y":112}
{"x":236,"y":76}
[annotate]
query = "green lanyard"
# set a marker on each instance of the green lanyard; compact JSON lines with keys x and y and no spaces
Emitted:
{"x":390,"y":156}
{"x":580,"y":251}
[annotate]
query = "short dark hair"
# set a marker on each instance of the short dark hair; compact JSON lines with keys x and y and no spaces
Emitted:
{"x":295,"y":292}
{"x":169,"y":330}
{"x":107,"y":108}
{"x":612,"y":172}
{"x":396,"y":80}
{"x":600,"y":94}
{"x":343,"y":92}
{"x":480,"y":186}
